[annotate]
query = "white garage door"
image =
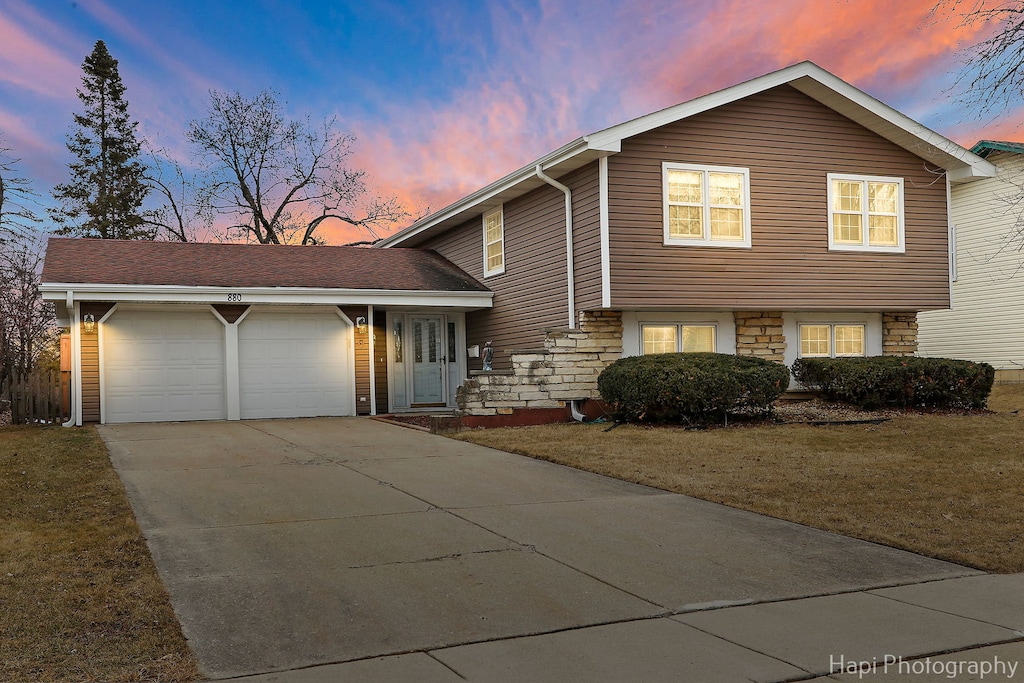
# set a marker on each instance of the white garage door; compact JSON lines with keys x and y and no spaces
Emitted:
{"x":294,"y":363}
{"x":163,"y":365}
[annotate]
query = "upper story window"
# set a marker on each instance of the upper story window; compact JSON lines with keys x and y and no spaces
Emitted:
{"x":706,"y":205}
{"x":831,"y":340}
{"x":494,"y":242}
{"x":865,"y":213}
{"x":660,"y":338}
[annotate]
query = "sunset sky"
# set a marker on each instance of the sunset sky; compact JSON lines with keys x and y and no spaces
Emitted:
{"x":445,"y":96}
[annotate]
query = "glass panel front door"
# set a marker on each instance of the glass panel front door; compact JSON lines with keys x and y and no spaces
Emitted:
{"x":428,"y":360}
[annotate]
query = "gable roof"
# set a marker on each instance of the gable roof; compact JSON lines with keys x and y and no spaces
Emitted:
{"x":985,"y":147}
{"x":810,"y":79}
{"x":144,"y":263}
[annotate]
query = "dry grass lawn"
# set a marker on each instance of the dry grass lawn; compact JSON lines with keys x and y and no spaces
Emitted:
{"x":944,"y":485}
{"x":80,"y":598}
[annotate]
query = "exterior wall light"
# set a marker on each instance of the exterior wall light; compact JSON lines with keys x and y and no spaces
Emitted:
{"x":89,"y":323}
{"x":361,"y":324}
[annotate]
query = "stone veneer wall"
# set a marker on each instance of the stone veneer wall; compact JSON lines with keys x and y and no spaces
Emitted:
{"x":759,"y":333}
{"x":565,"y":369}
{"x":899,"y":334}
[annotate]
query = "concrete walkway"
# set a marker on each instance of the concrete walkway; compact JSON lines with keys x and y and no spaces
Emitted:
{"x":301,"y":551}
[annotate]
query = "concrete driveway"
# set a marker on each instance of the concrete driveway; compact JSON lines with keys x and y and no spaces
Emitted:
{"x":290,"y":544}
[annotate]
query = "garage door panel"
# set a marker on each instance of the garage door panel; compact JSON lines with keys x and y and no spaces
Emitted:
{"x":163,"y":365}
{"x":294,"y":364}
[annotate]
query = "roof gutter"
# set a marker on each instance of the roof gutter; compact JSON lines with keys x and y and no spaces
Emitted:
{"x":569,"y":265}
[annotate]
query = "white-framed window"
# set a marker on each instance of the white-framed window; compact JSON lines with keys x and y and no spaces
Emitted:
{"x":865,"y":213}
{"x":706,"y":205}
{"x":494,"y":242}
{"x":832,"y":340}
{"x":673,"y":338}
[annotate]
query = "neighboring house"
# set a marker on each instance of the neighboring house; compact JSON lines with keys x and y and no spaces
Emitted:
{"x":986,"y":320}
{"x":789,"y":215}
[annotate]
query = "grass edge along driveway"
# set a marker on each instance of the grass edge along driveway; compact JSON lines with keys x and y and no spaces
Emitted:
{"x":943,"y":485}
{"x":80,"y":595}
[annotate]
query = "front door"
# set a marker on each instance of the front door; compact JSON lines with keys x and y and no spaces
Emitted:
{"x":429,"y":364}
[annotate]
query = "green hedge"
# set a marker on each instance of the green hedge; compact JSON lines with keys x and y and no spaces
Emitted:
{"x":900,"y":381}
{"x":690,"y":388}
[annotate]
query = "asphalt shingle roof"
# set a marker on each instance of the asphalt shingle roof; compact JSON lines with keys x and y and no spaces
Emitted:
{"x":95,"y":261}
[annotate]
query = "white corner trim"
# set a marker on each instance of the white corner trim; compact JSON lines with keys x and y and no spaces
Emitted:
{"x":101,"y":354}
{"x":350,"y":356}
{"x":606,"y":268}
{"x":76,"y":368}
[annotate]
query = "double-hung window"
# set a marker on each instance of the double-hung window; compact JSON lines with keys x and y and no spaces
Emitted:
{"x":706,"y":205}
{"x":831,"y":340}
{"x":494,"y":242}
{"x":865,"y":213}
{"x":668,"y":338}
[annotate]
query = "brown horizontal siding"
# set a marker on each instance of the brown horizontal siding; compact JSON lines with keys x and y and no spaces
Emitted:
{"x":362,"y":357}
{"x":586,"y":232}
{"x":90,"y":378}
{"x":789,"y":143}
{"x":91,"y":364}
{"x":530,"y":296}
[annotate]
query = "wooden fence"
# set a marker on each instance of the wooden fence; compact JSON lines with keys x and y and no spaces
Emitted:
{"x":43,"y":398}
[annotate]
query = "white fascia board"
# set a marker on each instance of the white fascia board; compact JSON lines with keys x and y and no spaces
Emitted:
{"x":53,"y":291}
{"x":481,"y":196}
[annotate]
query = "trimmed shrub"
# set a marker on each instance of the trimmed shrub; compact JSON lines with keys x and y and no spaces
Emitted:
{"x":899,"y":381}
{"x":690,"y":388}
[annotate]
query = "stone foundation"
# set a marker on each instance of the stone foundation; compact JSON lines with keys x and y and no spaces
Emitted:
{"x":899,"y":334}
{"x":759,"y":333}
{"x":566,"y":369}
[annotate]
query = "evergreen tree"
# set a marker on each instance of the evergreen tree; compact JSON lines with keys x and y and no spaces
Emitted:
{"x":107,"y":187}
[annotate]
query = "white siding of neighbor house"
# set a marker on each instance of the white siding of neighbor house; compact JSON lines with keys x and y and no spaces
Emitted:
{"x":986,"y":321}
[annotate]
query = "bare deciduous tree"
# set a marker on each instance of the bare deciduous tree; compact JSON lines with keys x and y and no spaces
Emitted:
{"x":185,"y":213}
{"x":281,"y":179}
{"x":993,"y":74}
{"x":17,"y":217}
{"x":27,"y":324}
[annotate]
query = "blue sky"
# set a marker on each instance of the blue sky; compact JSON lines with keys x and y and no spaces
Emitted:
{"x":446,"y":96}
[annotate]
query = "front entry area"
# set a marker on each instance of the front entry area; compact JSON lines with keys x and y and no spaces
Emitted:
{"x":426,"y":353}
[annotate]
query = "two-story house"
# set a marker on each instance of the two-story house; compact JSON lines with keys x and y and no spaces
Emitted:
{"x":790,"y":215}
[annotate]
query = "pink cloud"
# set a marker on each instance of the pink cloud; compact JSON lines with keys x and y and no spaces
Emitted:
{"x":31,"y":63}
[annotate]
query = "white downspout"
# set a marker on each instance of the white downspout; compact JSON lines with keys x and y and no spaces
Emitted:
{"x":76,"y":364}
{"x":569,"y":266}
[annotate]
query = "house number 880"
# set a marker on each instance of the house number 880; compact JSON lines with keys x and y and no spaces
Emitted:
{"x":234,"y":297}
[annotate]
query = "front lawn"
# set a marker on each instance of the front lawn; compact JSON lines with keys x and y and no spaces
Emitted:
{"x":944,"y":485}
{"x":80,"y":599}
